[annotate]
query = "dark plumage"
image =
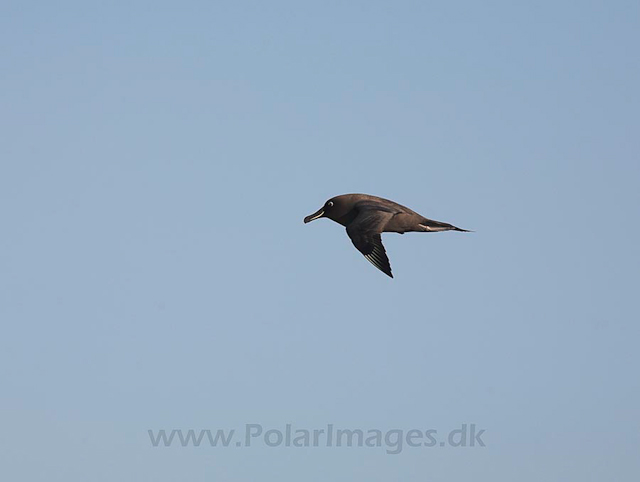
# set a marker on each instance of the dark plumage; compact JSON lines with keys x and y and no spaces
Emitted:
{"x":366,"y":217}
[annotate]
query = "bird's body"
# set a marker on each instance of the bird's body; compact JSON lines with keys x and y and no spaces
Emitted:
{"x":366,"y":217}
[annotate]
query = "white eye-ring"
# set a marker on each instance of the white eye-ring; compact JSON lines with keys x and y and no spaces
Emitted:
{"x":330,"y":204}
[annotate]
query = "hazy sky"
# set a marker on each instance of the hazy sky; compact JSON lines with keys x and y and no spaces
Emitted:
{"x":156,"y":162}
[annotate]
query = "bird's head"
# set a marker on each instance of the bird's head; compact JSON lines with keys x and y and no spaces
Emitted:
{"x":334,"y":209}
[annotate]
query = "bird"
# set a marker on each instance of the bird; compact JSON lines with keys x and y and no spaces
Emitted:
{"x":366,"y":217}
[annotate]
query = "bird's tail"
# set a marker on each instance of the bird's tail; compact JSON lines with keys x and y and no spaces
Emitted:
{"x":435,"y":226}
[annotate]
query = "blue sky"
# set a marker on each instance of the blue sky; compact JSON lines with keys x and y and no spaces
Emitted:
{"x":157,"y":160}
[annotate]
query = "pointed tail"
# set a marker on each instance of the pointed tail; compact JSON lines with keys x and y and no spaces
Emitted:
{"x":436,"y":226}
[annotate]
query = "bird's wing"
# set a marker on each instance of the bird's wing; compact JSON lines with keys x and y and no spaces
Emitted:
{"x":364,"y":232}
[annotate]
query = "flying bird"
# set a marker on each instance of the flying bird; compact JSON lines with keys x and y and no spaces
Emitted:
{"x":366,"y":217}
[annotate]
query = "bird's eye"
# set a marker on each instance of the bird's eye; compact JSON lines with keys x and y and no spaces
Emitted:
{"x":330,"y":204}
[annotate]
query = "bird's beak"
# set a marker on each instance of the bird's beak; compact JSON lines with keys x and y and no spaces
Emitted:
{"x":316,"y":215}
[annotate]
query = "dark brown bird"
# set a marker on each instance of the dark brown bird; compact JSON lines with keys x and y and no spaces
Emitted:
{"x":365,"y":217}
